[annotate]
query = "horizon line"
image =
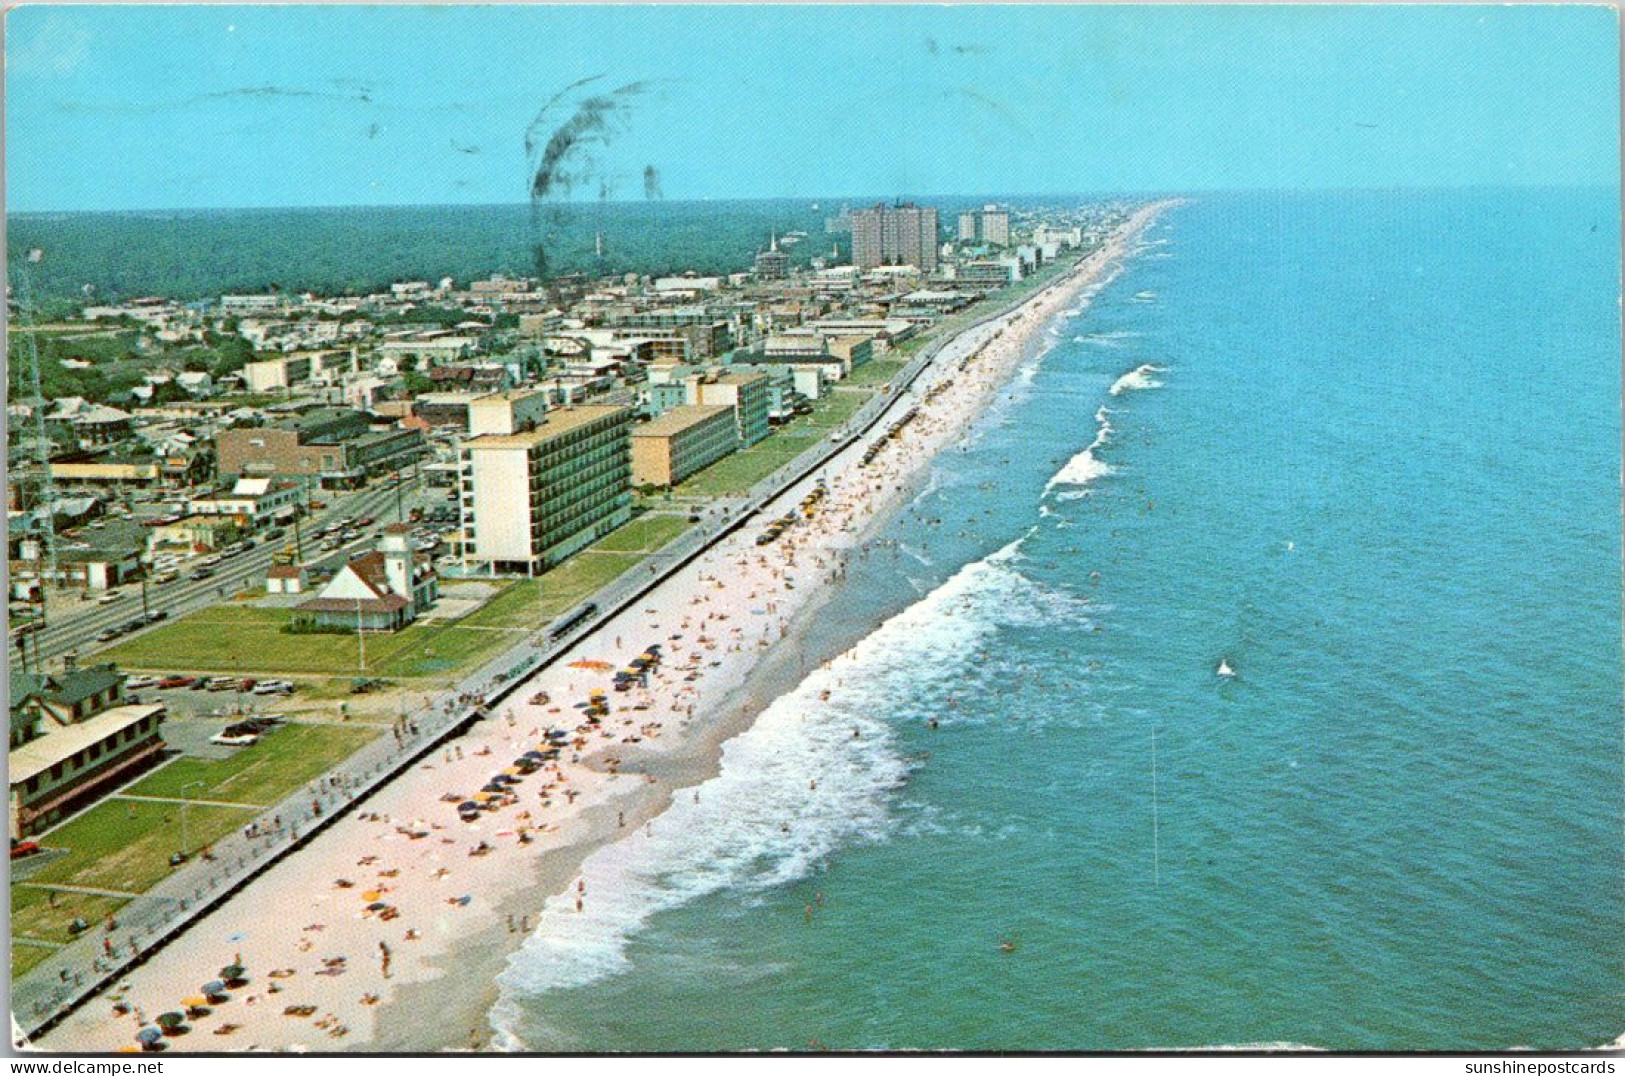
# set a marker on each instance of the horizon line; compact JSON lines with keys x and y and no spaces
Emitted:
{"x":853,"y":200}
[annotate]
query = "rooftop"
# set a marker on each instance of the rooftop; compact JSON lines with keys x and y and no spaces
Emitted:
{"x":679,"y":419}
{"x":556,"y":424}
{"x":59,"y":744}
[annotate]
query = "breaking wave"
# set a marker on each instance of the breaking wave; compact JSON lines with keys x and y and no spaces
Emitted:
{"x":1085,"y":467}
{"x":761,"y":822}
{"x":1138,"y":378}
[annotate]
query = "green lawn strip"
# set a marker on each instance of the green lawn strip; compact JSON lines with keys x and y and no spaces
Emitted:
{"x":240,"y":639}
{"x":836,"y":407}
{"x":644,"y":534}
{"x":737,"y":473}
{"x":32,"y":915}
{"x":25,"y":957}
{"x":284,"y":759}
{"x":445,"y":650}
{"x":531,"y":604}
{"x":875,"y":372}
{"x":125,"y":844}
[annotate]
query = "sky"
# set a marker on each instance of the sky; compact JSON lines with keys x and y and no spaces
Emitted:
{"x":147,"y":107}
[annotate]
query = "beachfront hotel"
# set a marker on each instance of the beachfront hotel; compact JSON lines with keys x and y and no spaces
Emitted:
{"x":680,"y":442}
{"x":533,"y":497}
{"x":895,"y":235}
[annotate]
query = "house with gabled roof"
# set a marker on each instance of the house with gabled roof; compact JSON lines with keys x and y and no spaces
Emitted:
{"x":383,"y":590}
{"x":75,"y":735}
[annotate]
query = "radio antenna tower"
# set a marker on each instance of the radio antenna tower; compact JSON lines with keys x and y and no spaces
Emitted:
{"x":42,"y":444}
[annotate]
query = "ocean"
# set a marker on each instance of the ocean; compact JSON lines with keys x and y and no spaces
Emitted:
{"x":1359,"y":449}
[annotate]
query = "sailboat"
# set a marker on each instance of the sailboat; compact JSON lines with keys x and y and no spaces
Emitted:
{"x":1224,"y":669}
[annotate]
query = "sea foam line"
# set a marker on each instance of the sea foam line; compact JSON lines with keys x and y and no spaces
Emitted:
{"x":812,"y":774}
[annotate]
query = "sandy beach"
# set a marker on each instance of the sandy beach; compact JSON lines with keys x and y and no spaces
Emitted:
{"x":353,"y":942}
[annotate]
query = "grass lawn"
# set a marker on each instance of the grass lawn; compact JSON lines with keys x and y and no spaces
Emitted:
{"x":242,"y":639}
{"x":643,"y":535}
{"x":125,"y":844}
{"x":261,"y":775}
{"x":737,"y":473}
{"x":876,"y":372}
{"x":33,"y":917}
{"x":24,"y":957}
{"x":531,"y":604}
{"x":834,"y":409}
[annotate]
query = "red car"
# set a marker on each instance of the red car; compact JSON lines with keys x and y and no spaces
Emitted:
{"x":177,"y":681}
{"x":247,"y":685}
{"x":23,"y":849}
{"x":364,"y":521}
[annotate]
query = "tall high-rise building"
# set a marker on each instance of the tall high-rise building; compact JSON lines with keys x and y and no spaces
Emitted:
{"x":895,"y":235}
{"x":990,"y":224}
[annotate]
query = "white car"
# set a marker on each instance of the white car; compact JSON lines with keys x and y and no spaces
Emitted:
{"x":109,"y":598}
{"x":135,"y":683}
{"x":234,"y":741}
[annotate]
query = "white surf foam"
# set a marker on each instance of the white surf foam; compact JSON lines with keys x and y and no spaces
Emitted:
{"x":758,"y":823}
{"x":1112,"y":339}
{"x":1085,"y":467}
{"x":1138,"y":378}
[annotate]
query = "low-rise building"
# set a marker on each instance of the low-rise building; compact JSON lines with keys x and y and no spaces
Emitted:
{"x":680,"y":442}
{"x":251,"y":501}
{"x":336,"y":447}
{"x":74,"y":736}
{"x":383,"y":590}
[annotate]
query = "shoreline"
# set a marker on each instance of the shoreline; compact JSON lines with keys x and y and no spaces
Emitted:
{"x":619,"y":776}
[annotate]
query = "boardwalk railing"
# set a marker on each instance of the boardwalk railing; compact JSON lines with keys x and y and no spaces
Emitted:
{"x":98,"y":958}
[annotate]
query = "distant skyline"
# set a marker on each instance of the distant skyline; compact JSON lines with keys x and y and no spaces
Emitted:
{"x":203,"y":107}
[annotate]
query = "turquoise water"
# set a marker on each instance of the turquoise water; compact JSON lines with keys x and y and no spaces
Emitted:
{"x":1373,"y":466}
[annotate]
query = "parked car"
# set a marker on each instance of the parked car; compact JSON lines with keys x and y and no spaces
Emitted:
{"x":227,"y":740}
{"x":176,"y":681}
{"x":223,"y":683}
{"x":109,"y":598}
{"x":135,"y":683}
{"x":169,"y":575}
{"x":107,"y":635}
{"x":156,"y":615}
{"x":200,"y":574}
{"x":23,"y":849}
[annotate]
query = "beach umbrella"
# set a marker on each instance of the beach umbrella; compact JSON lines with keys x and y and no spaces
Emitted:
{"x":535,"y":756}
{"x":515,"y":771}
{"x":196,"y":1001}
{"x":467,"y":806}
{"x":377,"y":906}
{"x":214,"y":988}
{"x":169,"y":1021}
{"x":231,"y":972}
{"x":372,"y":894}
{"x":148,"y":1035}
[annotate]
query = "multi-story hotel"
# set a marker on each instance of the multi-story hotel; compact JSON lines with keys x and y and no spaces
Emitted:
{"x":895,"y":235}
{"x":990,"y":224}
{"x":532,"y":498}
{"x":745,"y":391}
{"x":680,"y":442}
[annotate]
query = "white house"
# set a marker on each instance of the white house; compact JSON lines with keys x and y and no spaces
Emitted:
{"x":384,"y":590}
